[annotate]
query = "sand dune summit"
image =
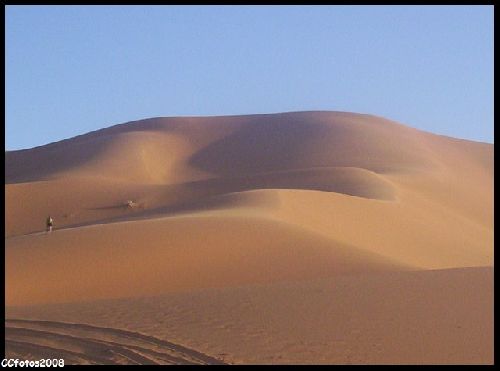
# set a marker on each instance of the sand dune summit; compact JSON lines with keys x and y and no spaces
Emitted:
{"x":302,"y":237}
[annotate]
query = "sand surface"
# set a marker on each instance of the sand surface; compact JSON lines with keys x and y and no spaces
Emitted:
{"x":303,"y":237}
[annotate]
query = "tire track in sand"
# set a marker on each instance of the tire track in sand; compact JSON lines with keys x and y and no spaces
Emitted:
{"x":87,"y":344}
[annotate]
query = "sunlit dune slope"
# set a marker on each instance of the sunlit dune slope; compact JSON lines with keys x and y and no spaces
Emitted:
{"x":162,"y":255}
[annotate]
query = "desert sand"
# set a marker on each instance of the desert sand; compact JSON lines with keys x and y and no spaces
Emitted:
{"x":294,"y":238}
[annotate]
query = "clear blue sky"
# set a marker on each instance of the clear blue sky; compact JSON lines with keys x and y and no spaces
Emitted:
{"x":74,"y":69}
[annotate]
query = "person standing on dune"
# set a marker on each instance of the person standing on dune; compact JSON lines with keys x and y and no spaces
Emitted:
{"x":50,"y":224}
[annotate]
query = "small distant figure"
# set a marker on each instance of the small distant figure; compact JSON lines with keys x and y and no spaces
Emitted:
{"x":131,"y":204}
{"x":50,"y":224}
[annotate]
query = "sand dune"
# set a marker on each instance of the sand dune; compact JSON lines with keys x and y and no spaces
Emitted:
{"x":231,"y":202}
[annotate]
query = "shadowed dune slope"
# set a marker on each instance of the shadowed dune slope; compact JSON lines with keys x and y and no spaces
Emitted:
{"x":172,"y":150}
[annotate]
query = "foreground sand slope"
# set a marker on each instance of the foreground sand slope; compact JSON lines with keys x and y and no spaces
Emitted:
{"x":424,"y":317}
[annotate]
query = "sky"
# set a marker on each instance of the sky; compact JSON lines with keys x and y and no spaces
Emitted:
{"x":74,"y":69}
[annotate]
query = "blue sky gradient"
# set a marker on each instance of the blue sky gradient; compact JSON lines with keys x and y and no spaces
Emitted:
{"x":74,"y":69}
